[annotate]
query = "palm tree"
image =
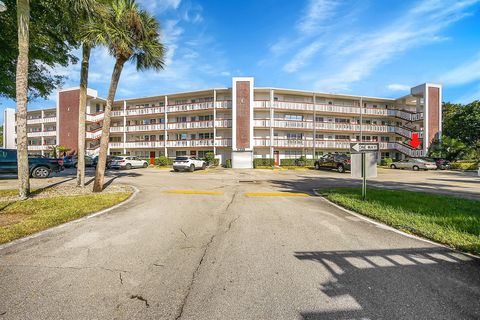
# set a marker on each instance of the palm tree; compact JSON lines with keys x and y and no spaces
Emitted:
{"x":88,"y":11}
{"x":23,"y":20}
{"x":130,"y":34}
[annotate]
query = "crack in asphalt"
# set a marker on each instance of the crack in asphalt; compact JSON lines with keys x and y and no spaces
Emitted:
{"x":121,"y":280}
{"x":183,"y":232}
{"x":194,"y":276}
{"x":139,"y":297}
{"x":232,"y":222}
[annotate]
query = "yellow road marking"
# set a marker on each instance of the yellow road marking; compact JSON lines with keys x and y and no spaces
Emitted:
{"x":276,"y":194}
{"x":193,"y":192}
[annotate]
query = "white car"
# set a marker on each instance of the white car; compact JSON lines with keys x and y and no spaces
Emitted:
{"x":127,"y":162}
{"x":414,"y":164}
{"x":188,"y":163}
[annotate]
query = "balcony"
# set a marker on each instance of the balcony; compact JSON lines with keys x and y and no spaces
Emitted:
{"x":300,"y":106}
{"x":262,"y":104}
{"x":223,"y":104}
{"x":190,"y":143}
{"x":144,"y":127}
{"x":118,"y":113}
{"x":145,"y":111}
{"x":42,"y":134}
{"x":223,"y":123}
{"x":42,"y":120}
{"x":39,"y":147}
{"x":194,"y":106}
{"x":95,"y":117}
{"x":190,"y":125}
{"x":143,"y":144}
{"x":94,"y":135}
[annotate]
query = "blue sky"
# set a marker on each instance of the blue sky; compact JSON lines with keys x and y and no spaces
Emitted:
{"x":376,"y":48}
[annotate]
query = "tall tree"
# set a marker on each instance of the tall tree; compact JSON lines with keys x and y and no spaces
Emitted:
{"x":23,"y":18}
{"x":464,"y":125}
{"x":52,"y":31}
{"x":130,"y":34}
{"x":88,"y":11}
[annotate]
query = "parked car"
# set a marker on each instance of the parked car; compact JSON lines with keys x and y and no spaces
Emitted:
{"x":109,"y":161}
{"x":414,"y":164}
{"x":39,"y":166}
{"x":188,"y":163}
{"x":71,"y":161}
{"x":441,"y":163}
{"x":127,"y":162}
{"x":341,"y":162}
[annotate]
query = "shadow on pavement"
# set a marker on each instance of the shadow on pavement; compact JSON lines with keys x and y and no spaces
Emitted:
{"x":418,"y":283}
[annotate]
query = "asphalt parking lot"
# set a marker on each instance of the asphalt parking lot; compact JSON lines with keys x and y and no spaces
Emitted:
{"x":239,"y":244}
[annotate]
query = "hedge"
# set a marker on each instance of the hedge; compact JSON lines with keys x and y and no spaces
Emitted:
{"x":228,"y":163}
{"x":263,"y":162}
{"x":464,"y":165}
{"x":300,"y":162}
{"x":163,"y":161}
{"x":386,"y":161}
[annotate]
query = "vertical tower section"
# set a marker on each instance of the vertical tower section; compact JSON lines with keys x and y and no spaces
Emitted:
{"x":429,"y":95}
{"x":242,"y":122}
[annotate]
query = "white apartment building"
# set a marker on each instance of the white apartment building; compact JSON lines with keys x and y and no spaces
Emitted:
{"x":240,"y":123}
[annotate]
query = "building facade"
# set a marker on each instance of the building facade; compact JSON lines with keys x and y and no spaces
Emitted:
{"x":240,"y":123}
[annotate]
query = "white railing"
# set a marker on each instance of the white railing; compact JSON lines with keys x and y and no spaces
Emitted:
{"x":117,"y":129}
{"x":42,"y":120}
{"x":223,"y":142}
{"x":190,"y":143}
{"x":261,"y":104}
{"x":190,"y":125}
{"x":145,"y":127}
{"x":261,"y":142}
{"x":95,"y":117}
{"x":190,"y":106}
{"x":223,"y":123}
{"x":145,"y":144}
{"x":337,"y":108}
{"x":293,"y":124}
{"x":224,"y":104}
{"x":332,"y":144}
{"x":93,"y":135}
{"x":38,"y":147}
{"x":42,"y":134}
{"x":118,"y":113}
{"x":264,"y":123}
{"x":145,"y":111}
{"x":406,"y":115}
{"x":293,"y":105}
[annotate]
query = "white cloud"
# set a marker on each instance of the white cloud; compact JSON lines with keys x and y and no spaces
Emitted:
{"x":315,"y":14}
{"x":398,"y":87}
{"x":157,"y":7}
{"x":465,"y":73}
{"x":355,"y":59}
{"x":302,"y":57}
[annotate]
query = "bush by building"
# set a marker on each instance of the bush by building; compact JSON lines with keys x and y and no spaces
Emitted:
{"x":163,"y":161}
{"x":263,"y":162}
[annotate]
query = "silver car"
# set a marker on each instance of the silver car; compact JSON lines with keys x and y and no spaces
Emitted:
{"x":414,"y":164}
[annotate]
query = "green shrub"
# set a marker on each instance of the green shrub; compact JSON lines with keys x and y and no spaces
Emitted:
{"x":209,"y":158}
{"x":215,"y":162}
{"x":386,"y":161}
{"x":300,"y":162}
{"x":464,"y":165}
{"x":163,"y":161}
{"x":228,"y":163}
{"x":263,"y":162}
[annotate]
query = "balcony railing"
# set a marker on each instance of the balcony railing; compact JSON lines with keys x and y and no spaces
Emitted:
{"x":145,"y":127}
{"x":145,"y":111}
{"x":145,"y":144}
{"x":293,"y":105}
{"x":223,"y":123}
{"x":42,"y":134}
{"x":38,"y":147}
{"x":195,"y":106}
{"x":118,"y":113}
{"x":190,"y":125}
{"x":262,"y":104}
{"x":42,"y":120}
{"x":94,"y":135}
{"x":97,"y":117}
{"x":223,"y":104}
{"x":190,"y":143}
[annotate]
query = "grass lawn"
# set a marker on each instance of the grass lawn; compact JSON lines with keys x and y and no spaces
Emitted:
{"x":21,"y":218}
{"x":449,"y":220}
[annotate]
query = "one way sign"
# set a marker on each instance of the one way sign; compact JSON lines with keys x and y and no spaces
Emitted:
{"x":360,"y":147}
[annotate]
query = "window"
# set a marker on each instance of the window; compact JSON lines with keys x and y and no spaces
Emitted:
{"x":295,"y":136}
{"x":182,"y":136}
{"x":153,"y":121}
{"x":342,"y":137}
{"x":180,"y":153}
{"x":205,"y":117}
{"x":202,"y":153}
{"x":319,"y":136}
{"x":342,"y":120}
{"x":181,"y":119}
{"x":293,"y":154}
{"x":319,"y":119}
{"x":294,"y":117}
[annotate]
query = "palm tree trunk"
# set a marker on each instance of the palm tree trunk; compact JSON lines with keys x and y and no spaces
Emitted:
{"x":102,"y":156}
{"x":82,"y":106}
{"x":23,"y":18}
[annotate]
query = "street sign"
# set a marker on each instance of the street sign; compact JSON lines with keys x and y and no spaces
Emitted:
{"x":369,"y":171}
{"x":361,"y":147}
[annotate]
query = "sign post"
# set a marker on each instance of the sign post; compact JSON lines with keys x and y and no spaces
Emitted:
{"x":364,"y":162}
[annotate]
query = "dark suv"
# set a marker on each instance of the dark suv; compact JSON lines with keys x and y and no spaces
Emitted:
{"x":341,"y":162}
{"x":39,"y":166}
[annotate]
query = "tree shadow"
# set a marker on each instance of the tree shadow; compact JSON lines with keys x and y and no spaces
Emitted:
{"x":411,"y":283}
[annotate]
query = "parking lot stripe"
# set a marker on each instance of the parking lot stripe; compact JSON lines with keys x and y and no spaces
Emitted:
{"x":194,"y":192}
{"x":276,"y":194}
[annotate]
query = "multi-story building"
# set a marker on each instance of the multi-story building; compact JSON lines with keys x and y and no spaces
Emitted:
{"x":240,"y":123}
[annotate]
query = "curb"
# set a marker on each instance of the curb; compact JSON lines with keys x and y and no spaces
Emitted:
{"x":92,"y":215}
{"x":389,"y":228}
